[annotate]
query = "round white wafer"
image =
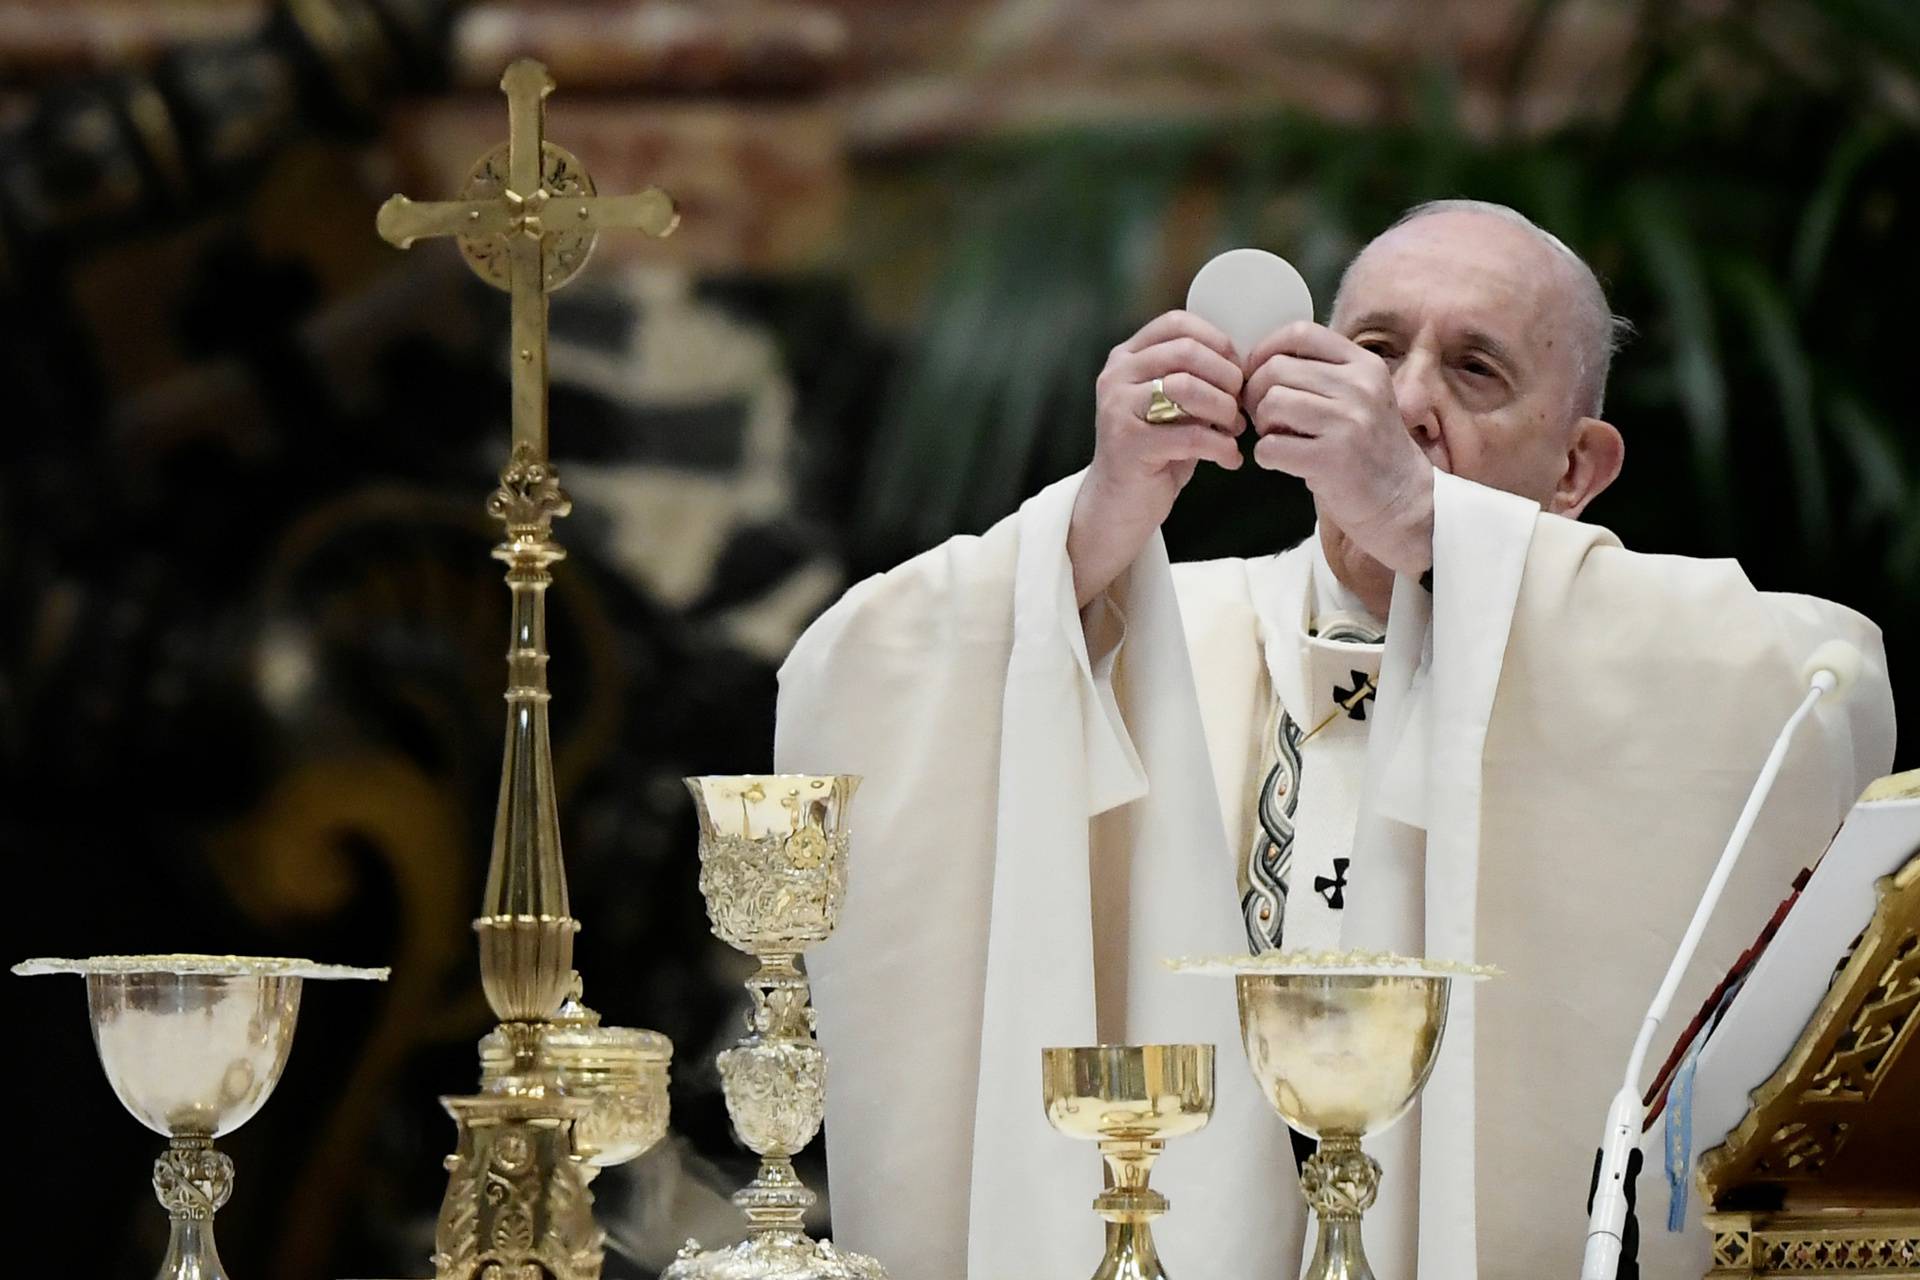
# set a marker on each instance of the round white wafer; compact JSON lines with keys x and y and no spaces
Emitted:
{"x":1247,"y":294}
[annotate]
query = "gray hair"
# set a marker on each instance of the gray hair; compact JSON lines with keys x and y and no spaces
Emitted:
{"x":1598,"y":333}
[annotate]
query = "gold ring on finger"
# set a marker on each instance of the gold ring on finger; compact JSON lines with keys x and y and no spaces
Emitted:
{"x":1161,"y":407}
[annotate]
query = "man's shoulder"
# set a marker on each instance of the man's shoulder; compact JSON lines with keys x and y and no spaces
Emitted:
{"x":1562,"y":542}
{"x":1574,"y":547}
{"x":1596,"y":558}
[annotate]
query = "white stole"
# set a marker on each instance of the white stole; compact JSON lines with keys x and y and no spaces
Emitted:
{"x":1437,"y":684}
{"x":1420,"y":806}
{"x":1031,"y":1188}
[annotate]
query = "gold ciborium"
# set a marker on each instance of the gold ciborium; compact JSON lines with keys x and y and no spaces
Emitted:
{"x":1131,"y":1099}
{"x":1341,"y":1043}
{"x":773,"y":871}
{"x":619,"y":1072}
{"x":192,"y":1046}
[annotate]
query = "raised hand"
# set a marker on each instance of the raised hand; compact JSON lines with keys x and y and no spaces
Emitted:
{"x":1139,"y":467}
{"x":1325,"y":411}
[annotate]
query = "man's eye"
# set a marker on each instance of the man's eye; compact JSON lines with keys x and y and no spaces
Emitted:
{"x":1377,"y":346}
{"x":1479,"y":368}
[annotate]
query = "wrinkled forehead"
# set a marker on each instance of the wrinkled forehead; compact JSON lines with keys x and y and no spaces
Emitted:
{"x":1466,"y":272}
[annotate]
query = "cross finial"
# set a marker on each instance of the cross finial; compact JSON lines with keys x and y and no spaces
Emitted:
{"x":526,"y":223}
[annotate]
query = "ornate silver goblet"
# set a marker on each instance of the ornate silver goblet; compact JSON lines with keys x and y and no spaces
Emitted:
{"x":1130,"y":1098}
{"x":773,"y":871}
{"x":192,"y":1046}
{"x":1342,"y":1044}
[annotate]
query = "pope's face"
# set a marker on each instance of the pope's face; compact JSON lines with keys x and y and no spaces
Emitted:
{"x":1474,"y":316}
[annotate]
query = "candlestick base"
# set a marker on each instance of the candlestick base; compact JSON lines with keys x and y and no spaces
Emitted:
{"x":517,"y":1202}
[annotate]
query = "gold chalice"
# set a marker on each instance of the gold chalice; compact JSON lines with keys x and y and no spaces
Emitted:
{"x":773,"y":871}
{"x":1130,"y":1099}
{"x":1342,"y":1044}
{"x":192,"y":1046}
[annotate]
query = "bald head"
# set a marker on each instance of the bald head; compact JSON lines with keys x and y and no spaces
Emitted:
{"x":1572,"y":299}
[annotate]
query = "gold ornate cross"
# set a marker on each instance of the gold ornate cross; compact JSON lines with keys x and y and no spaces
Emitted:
{"x":526,"y":223}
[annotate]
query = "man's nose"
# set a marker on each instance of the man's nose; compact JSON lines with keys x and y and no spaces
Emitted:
{"x":1415,"y":394}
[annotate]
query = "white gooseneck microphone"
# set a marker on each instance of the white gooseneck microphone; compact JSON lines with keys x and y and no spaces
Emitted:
{"x":1833,"y":670}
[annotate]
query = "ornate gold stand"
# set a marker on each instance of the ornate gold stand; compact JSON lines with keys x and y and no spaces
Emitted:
{"x":1882,"y":1243}
{"x":1340,"y":1182}
{"x":560,"y":1095}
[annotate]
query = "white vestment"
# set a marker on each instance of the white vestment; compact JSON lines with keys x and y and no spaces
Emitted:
{"x":1563,"y":735}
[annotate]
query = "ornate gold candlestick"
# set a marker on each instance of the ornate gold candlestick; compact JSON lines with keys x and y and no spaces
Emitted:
{"x":1342,"y":1044}
{"x":193,"y":1046}
{"x":1131,"y":1099}
{"x":561,"y":1095}
{"x":773,"y":871}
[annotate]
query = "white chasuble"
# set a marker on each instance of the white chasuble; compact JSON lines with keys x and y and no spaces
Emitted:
{"x":1562,"y":735}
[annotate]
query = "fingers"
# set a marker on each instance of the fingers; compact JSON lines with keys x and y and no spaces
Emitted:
{"x":1180,"y":324}
{"x":1289,"y":453}
{"x":1182,"y":443}
{"x":1202,"y":401}
{"x":1291,"y":411}
{"x":1184,"y":355}
{"x":1281,"y":370}
{"x":1305,"y":339}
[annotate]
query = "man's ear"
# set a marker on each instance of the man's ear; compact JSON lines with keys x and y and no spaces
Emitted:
{"x":1595,"y":453}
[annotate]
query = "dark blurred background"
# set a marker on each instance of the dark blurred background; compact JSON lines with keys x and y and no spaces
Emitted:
{"x":250,"y":675}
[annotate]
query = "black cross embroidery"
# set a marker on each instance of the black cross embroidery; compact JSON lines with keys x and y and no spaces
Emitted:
{"x":1355,"y":699}
{"x":1332,"y":890}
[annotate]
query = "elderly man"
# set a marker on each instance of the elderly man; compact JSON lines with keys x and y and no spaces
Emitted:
{"x":1454,"y":722}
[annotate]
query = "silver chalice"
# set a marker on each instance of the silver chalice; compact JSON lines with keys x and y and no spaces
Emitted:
{"x":192,"y":1046}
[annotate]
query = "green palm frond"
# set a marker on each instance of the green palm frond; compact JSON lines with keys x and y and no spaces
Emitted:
{"x":1759,"y":298}
{"x":1669,"y":254}
{"x":1820,"y":221}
